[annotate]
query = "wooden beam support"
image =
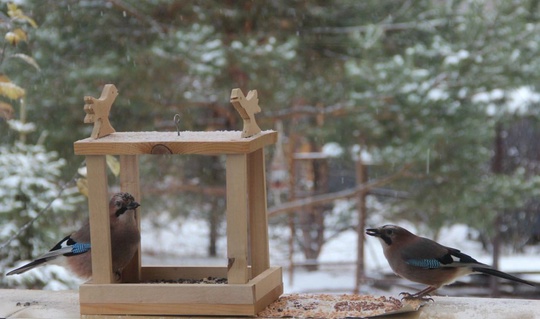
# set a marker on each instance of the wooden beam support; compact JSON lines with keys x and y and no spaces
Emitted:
{"x":129,"y":182}
{"x":258,"y":219}
{"x":237,"y":219}
{"x":100,"y":229}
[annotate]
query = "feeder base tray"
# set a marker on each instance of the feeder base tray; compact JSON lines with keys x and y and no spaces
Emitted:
{"x":182,"y":299}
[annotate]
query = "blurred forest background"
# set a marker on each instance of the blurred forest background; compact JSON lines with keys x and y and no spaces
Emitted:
{"x":433,"y":104}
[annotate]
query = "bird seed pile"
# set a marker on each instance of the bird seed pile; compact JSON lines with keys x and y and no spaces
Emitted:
{"x":331,"y":306}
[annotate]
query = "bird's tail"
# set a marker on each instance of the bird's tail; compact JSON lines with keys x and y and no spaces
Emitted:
{"x":27,"y":267}
{"x":497,"y":273}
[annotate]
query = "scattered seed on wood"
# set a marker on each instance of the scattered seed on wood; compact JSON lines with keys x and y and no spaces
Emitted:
{"x":206,"y":280}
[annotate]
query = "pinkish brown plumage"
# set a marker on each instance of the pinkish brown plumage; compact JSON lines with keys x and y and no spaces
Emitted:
{"x":425,"y":261}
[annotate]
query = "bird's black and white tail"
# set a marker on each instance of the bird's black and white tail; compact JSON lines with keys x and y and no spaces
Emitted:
{"x":500,"y":274}
{"x":66,"y":247}
{"x":25,"y":268}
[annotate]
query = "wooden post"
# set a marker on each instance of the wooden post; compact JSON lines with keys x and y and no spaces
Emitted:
{"x":497,"y":168}
{"x":292,"y":197}
{"x":237,"y":218}
{"x":100,"y":229}
{"x":361,"y":179}
{"x":129,"y":182}
{"x":258,"y":219}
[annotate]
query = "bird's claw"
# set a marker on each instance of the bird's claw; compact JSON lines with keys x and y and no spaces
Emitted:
{"x":408,"y":296}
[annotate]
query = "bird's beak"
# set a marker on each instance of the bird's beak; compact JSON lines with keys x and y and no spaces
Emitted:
{"x":133,"y":205}
{"x":373,"y":232}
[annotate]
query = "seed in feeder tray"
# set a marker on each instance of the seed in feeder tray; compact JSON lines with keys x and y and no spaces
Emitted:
{"x":206,"y":280}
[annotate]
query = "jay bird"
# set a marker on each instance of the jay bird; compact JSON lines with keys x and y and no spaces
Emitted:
{"x":74,"y":250}
{"x":425,"y":261}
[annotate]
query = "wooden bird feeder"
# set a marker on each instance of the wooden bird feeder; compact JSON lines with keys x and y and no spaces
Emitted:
{"x":251,"y":283}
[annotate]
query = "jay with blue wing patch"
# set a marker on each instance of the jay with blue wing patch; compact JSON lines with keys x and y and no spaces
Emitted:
{"x":74,"y":250}
{"x":425,"y":261}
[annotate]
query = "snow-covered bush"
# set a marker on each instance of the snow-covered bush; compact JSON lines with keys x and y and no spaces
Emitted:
{"x":29,"y":182}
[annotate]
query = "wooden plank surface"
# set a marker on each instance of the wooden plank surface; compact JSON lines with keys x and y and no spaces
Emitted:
{"x":39,"y":304}
{"x":207,"y":143}
{"x":169,"y":309}
{"x":100,"y":230}
{"x":258,"y":220}
{"x":237,"y":219}
{"x":22,"y":303}
{"x":202,"y":294}
{"x":267,"y":282}
{"x":129,"y":182}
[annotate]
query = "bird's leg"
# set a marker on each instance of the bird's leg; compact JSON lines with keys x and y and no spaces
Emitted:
{"x":421,"y":295}
{"x":425,"y":291}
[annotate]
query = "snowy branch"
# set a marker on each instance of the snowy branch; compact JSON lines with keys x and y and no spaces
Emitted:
{"x":423,"y":25}
{"x":38,"y":215}
{"x":330,"y":197}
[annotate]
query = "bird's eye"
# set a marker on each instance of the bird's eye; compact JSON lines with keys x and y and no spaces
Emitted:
{"x":389,"y":232}
{"x":118,"y":203}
